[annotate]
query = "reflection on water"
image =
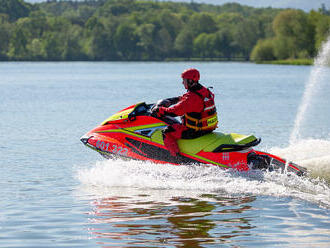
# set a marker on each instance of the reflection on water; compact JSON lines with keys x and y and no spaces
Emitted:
{"x":181,"y":221}
{"x":135,"y":204}
{"x":189,"y":219}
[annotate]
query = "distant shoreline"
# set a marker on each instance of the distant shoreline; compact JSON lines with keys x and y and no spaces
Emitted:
{"x":273,"y":62}
{"x":288,"y":62}
{"x":135,"y":30}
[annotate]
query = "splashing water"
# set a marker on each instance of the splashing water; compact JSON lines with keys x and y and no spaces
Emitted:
{"x":312,"y":88}
{"x":310,"y":153}
{"x":107,"y":176}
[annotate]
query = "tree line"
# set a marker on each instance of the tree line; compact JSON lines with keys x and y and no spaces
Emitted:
{"x":122,"y":30}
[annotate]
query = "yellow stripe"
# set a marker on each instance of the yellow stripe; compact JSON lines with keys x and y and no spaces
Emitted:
{"x":207,"y":160}
{"x":199,"y":120}
{"x":124,"y":131}
{"x":191,"y":118}
{"x":206,"y":118}
{"x":201,"y":128}
{"x":131,"y":132}
{"x":160,"y":124}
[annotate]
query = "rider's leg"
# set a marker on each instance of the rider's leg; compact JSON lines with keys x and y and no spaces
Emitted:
{"x":171,"y":134}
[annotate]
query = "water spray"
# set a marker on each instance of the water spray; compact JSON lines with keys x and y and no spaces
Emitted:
{"x":321,"y":61}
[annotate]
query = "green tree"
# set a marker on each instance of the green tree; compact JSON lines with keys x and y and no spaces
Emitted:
{"x":146,"y":33}
{"x":263,"y":51}
{"x":84,"y":13}
{"x":246,"y":36}
{"x":294,"y":34}
{"x":5,"y":37}
{"x":224,"y":44}
{"x":170,"y":22}
{"x":53,"y":45}
{"x":15,"y":9}
{"x":284,"y":48}
{"x":163,"y":43}
{"x":96,"y":38}
{"x":184,"y":43}
{"x":126,"y":40}
{"x":116,"y":7}
{"x":18,"y":43}
{"x":204,"y":45}
{"x":321,"y":24}
{"x":36,"y":50}
{"x":201,"y":23}
{"x":54,"y":39}
{"x":228,"y":20}
{"x":73,"y":47}
{"x":4,"y":18}
{"x":34,"y":26}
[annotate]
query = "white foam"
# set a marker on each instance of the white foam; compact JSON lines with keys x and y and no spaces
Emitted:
{"x":116,"y":175}
{"x":314,"y":154}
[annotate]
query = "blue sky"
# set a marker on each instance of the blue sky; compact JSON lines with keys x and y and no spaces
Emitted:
{"x":306,"y":5}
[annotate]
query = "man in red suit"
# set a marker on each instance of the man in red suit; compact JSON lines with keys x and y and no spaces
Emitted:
{"x":197,"y":109}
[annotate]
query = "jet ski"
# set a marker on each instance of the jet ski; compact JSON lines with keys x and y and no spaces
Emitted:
{"x":135,"y":133}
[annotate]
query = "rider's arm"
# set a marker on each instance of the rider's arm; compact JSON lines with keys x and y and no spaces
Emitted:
{"x":168,"y":102}
{"x":171,"y":101}
{"x":189,"y":102}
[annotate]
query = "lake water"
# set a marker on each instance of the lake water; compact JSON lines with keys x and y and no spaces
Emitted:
{"x":57,"y":193}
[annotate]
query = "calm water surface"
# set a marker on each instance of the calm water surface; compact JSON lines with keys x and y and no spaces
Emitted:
{"x":57,"y":193}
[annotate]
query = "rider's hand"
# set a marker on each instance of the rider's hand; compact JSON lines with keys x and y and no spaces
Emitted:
{"x":159,"y":111}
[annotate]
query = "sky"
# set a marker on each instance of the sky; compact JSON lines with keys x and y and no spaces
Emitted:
{"x":306,"y":5}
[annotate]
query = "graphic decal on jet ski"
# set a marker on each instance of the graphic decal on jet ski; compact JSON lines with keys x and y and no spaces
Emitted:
{"x":158,"y":153}
{"x":134,"y":133}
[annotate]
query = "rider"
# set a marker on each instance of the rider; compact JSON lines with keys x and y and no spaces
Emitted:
{"x":197,"y":109}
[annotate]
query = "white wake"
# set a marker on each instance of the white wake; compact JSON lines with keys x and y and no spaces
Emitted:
{"x":120,"y":175}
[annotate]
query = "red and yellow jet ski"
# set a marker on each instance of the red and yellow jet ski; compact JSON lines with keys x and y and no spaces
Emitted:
{"x":135,"y":133}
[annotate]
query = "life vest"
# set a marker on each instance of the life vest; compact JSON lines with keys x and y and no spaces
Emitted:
{"x":206,"y":120}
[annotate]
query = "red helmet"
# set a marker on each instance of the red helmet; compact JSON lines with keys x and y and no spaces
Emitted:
{"x":192,"y":74}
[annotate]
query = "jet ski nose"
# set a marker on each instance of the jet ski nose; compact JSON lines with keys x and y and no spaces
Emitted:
{"x":84,"y":139}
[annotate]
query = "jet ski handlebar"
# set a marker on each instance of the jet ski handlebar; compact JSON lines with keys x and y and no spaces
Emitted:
{"x":143,"y":109}
{"x":167,"y":102}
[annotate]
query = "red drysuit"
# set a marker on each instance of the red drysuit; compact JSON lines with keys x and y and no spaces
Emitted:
{"x":197,"y":103}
